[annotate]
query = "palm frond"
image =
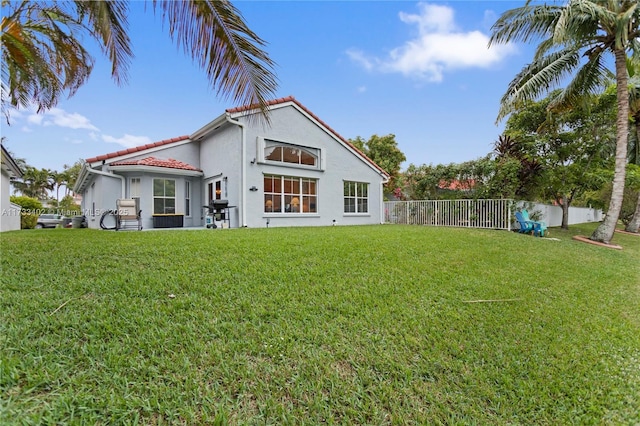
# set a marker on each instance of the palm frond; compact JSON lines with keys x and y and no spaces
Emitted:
{"x":42,"y":58}
{"x":538,"y":78}
{"x":108,"y":23}
{"x":588,"y":79}
{"x":525,"y":24}
{"x":579,"y":21}
{"x":215,"y":35}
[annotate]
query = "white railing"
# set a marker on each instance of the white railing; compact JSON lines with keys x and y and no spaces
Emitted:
{"x":490,"y":214}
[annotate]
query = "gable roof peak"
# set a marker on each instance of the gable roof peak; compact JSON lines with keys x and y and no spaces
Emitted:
{"x":270,"y":103}
{"x":136,"y":149}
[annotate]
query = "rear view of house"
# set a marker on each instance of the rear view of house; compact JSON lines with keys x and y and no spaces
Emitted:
{"x":296,"y":171}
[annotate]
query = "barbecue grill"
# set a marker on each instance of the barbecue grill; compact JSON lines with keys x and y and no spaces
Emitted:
{"x":217,"y":211}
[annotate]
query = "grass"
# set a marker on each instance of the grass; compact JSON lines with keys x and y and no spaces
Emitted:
{"x":340,"y":325}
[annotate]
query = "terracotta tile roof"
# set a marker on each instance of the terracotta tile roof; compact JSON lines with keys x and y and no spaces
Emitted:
{"x":156,"y":162}
{"x":136,"y":149}
{"x":456,"y":185}
{"x":315,"y":117}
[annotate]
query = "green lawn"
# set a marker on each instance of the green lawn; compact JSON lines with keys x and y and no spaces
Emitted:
{"x":338,"y":325}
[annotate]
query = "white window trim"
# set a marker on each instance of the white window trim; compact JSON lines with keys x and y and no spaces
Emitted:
{"x":282,"y":194}
{"x":353,"y":214}
{"x":131,"y":187}
{"x":261,"y":144}
{"x":187,"y":198}
{"x":174,"y":198}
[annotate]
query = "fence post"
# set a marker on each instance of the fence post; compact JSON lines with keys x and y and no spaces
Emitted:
{"x":509,"y":216}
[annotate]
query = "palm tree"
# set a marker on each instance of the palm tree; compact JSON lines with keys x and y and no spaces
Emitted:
{"x":35,"y":183}
{"x":576,"y":37}
{"x":58,"y":179}
{"x":633,"y":68}
{"x":43,"y":57}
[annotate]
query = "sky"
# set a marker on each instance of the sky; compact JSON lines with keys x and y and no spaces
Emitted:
{"x":419,"y":70}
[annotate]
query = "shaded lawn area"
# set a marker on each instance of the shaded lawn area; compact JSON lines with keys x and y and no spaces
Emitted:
{"x":339,"y":325}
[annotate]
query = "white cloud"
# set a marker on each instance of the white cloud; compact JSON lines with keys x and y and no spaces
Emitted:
{"x":361,"y":89}
{"x":35,"y":119}
{"x":58,"y":117}
{"x":61,"y":118}
{"x":359,"y":57}
{"x":440,"y":46}
{"x":128,"y":141}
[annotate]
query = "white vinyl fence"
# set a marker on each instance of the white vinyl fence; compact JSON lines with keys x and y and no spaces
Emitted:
{"x":552,"y":215}
{"x":491,"y":214}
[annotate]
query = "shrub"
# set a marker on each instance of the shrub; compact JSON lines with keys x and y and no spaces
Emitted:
{"x":31,"y":209}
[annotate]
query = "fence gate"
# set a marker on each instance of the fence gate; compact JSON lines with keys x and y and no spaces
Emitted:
{"x":489,"y":214}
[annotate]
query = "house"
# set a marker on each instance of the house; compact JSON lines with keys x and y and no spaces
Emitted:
{"x":10,"y":213}
{"x":295,"y":171}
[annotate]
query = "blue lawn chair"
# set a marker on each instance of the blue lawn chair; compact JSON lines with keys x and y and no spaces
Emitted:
{"x":540,"y":225}
{"x":526,"y":226}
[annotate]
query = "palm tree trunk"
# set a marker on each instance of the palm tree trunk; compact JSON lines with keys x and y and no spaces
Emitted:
{"x":604,"y":232}
{"x":634,"y":224}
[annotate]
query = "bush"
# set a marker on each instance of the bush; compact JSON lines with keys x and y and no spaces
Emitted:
{"x":31,"y":209}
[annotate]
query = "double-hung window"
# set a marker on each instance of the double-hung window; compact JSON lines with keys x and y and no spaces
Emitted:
{"x":164,"y":196}
{"x":287,"y":194}
{"x":187,"y":198}
{"x":356,"y":197}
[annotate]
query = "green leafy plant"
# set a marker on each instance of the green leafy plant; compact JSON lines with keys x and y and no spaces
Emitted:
{"x":31,"y":208}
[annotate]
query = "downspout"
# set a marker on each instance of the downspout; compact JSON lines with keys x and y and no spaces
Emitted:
{"x":382,"y":212}
{"x":243,"y":170}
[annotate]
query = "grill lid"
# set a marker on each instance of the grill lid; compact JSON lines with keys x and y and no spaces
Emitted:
{"x":219,"y":204}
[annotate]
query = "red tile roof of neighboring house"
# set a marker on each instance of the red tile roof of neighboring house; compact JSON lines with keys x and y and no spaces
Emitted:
{"x":156,"y":162}
{"x":136,"y":149}
{"x":456,"y":185}
{"x":315,"y":117}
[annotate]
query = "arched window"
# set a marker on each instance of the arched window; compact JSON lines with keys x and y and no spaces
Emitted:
{"x":290,"y":154}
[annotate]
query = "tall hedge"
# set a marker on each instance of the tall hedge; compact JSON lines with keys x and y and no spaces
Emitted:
{"x":31,"y":209}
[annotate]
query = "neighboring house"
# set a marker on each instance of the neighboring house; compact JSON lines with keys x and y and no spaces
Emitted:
{"x":295,"y":171}
{"x":10,"y":213}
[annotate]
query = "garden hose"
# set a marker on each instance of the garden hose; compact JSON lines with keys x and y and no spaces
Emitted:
{"x":108,"y":212}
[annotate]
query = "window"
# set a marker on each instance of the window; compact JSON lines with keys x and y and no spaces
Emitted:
{"x":286,"y":194}
{"x":164,"y":196}
{"x":356,"y":197}
{"x":290,"y":154}
{"x":187,"y":198}
{"x":93,"y":199}
{"x":134,"y":188}
{"x":218,"y":190}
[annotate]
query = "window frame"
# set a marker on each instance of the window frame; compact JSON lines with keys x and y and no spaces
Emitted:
{"x":313,"y":152}
{"x":358,"y":200}
{"x":299,"y":193}
{"x":164,"y":196}
{"x":187,"y":198}
{"x":138,"y":187}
